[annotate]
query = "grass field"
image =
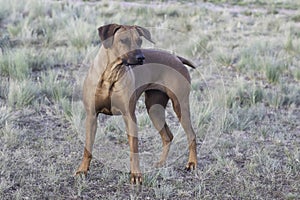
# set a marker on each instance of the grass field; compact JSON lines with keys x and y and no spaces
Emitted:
{"x":245,"y":100}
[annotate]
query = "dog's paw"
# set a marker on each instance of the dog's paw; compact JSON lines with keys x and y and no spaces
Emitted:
{"x":136,"y":178}
{"x":83,"y":169}
{"x":80,"y":172}
{"x":190,"y":166}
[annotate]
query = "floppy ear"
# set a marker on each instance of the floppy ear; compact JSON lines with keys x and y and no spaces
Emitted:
{"x":144,"y":32}
{"x":106,"y":34}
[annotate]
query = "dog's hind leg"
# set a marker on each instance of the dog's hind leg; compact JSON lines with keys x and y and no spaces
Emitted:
{"x":156,"y":102}
{"x":182,"y":110}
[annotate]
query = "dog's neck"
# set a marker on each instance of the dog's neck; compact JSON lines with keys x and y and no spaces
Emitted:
{"x":106,"y":57}
{"x":103,"y":54}
{"x":104,"y":60}
{"x":101,"y":61}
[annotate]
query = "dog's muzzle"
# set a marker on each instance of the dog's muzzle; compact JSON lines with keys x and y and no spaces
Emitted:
{"x":135,"y":57}
{"x":140,"y":59}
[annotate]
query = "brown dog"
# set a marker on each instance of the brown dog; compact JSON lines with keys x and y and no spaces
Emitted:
{"x":120,"y":73}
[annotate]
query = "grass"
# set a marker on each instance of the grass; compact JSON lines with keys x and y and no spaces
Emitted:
{"x":296,"y":18}
{"x":244,"y":101}
{"x":54,"y":86}
{"x":297,"y":74}
{"x":79,"y":33}
{"x":4,"y":117}
{"x":15,"y":65}
{"x":245,"y":96}
{"x":21,"y":94}
{"x":272,"y":74}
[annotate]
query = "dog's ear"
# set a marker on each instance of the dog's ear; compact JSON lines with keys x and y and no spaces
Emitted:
{"x":106,"y":34}
{"x":144,"y":32}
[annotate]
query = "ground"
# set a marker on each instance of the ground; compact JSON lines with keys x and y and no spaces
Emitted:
{"x":245,"y":100}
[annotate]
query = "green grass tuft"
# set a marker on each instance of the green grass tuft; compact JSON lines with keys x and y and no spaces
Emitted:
{"x":4,"y":88}
{"x":4,"y":116}
{"x":296,"y":18}
{"x":22,"y":93}
{"x":14,"y":30}
{"x":54,"y":87}
{"x":224,"y":59}
{"x":290,"y":46}
{"x":80,"y":33}
{"x":15,"y":64}
{"x":273,"y":74}
{"x":245,"y":96}
{"x":297,"y":74}
{"x":200,"y":47}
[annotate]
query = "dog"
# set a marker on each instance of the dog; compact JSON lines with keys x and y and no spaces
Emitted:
{"x":120,"y":73}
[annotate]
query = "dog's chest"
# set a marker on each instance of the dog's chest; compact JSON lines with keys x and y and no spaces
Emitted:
{"x":111,"y":97}
{"x":103,"y":99}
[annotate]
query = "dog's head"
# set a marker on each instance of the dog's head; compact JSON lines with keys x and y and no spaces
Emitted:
{"x":124,"y":42}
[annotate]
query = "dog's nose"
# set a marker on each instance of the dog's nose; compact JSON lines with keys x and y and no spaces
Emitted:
{"x":140,"y":58}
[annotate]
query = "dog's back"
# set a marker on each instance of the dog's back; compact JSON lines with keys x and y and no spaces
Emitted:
{"x":167,"y":60}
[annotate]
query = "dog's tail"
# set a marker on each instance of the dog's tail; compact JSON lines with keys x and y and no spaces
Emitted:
{"x":186,"y":62}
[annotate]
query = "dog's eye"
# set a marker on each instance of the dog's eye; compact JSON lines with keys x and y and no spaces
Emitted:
{"x":124,"y":41}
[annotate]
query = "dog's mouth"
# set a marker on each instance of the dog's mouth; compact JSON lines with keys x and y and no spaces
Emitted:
{"x":134,"y":58}
{"x":140,"y":62}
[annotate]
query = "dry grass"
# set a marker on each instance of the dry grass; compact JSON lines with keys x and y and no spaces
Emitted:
{"x":245,"y":101}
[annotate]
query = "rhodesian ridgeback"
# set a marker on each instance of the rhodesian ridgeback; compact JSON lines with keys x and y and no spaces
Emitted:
{"x":120,"y":73}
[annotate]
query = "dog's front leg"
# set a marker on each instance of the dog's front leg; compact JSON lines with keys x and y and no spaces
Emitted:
{"x":91,"y":128}
{"x":135,"y":172}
